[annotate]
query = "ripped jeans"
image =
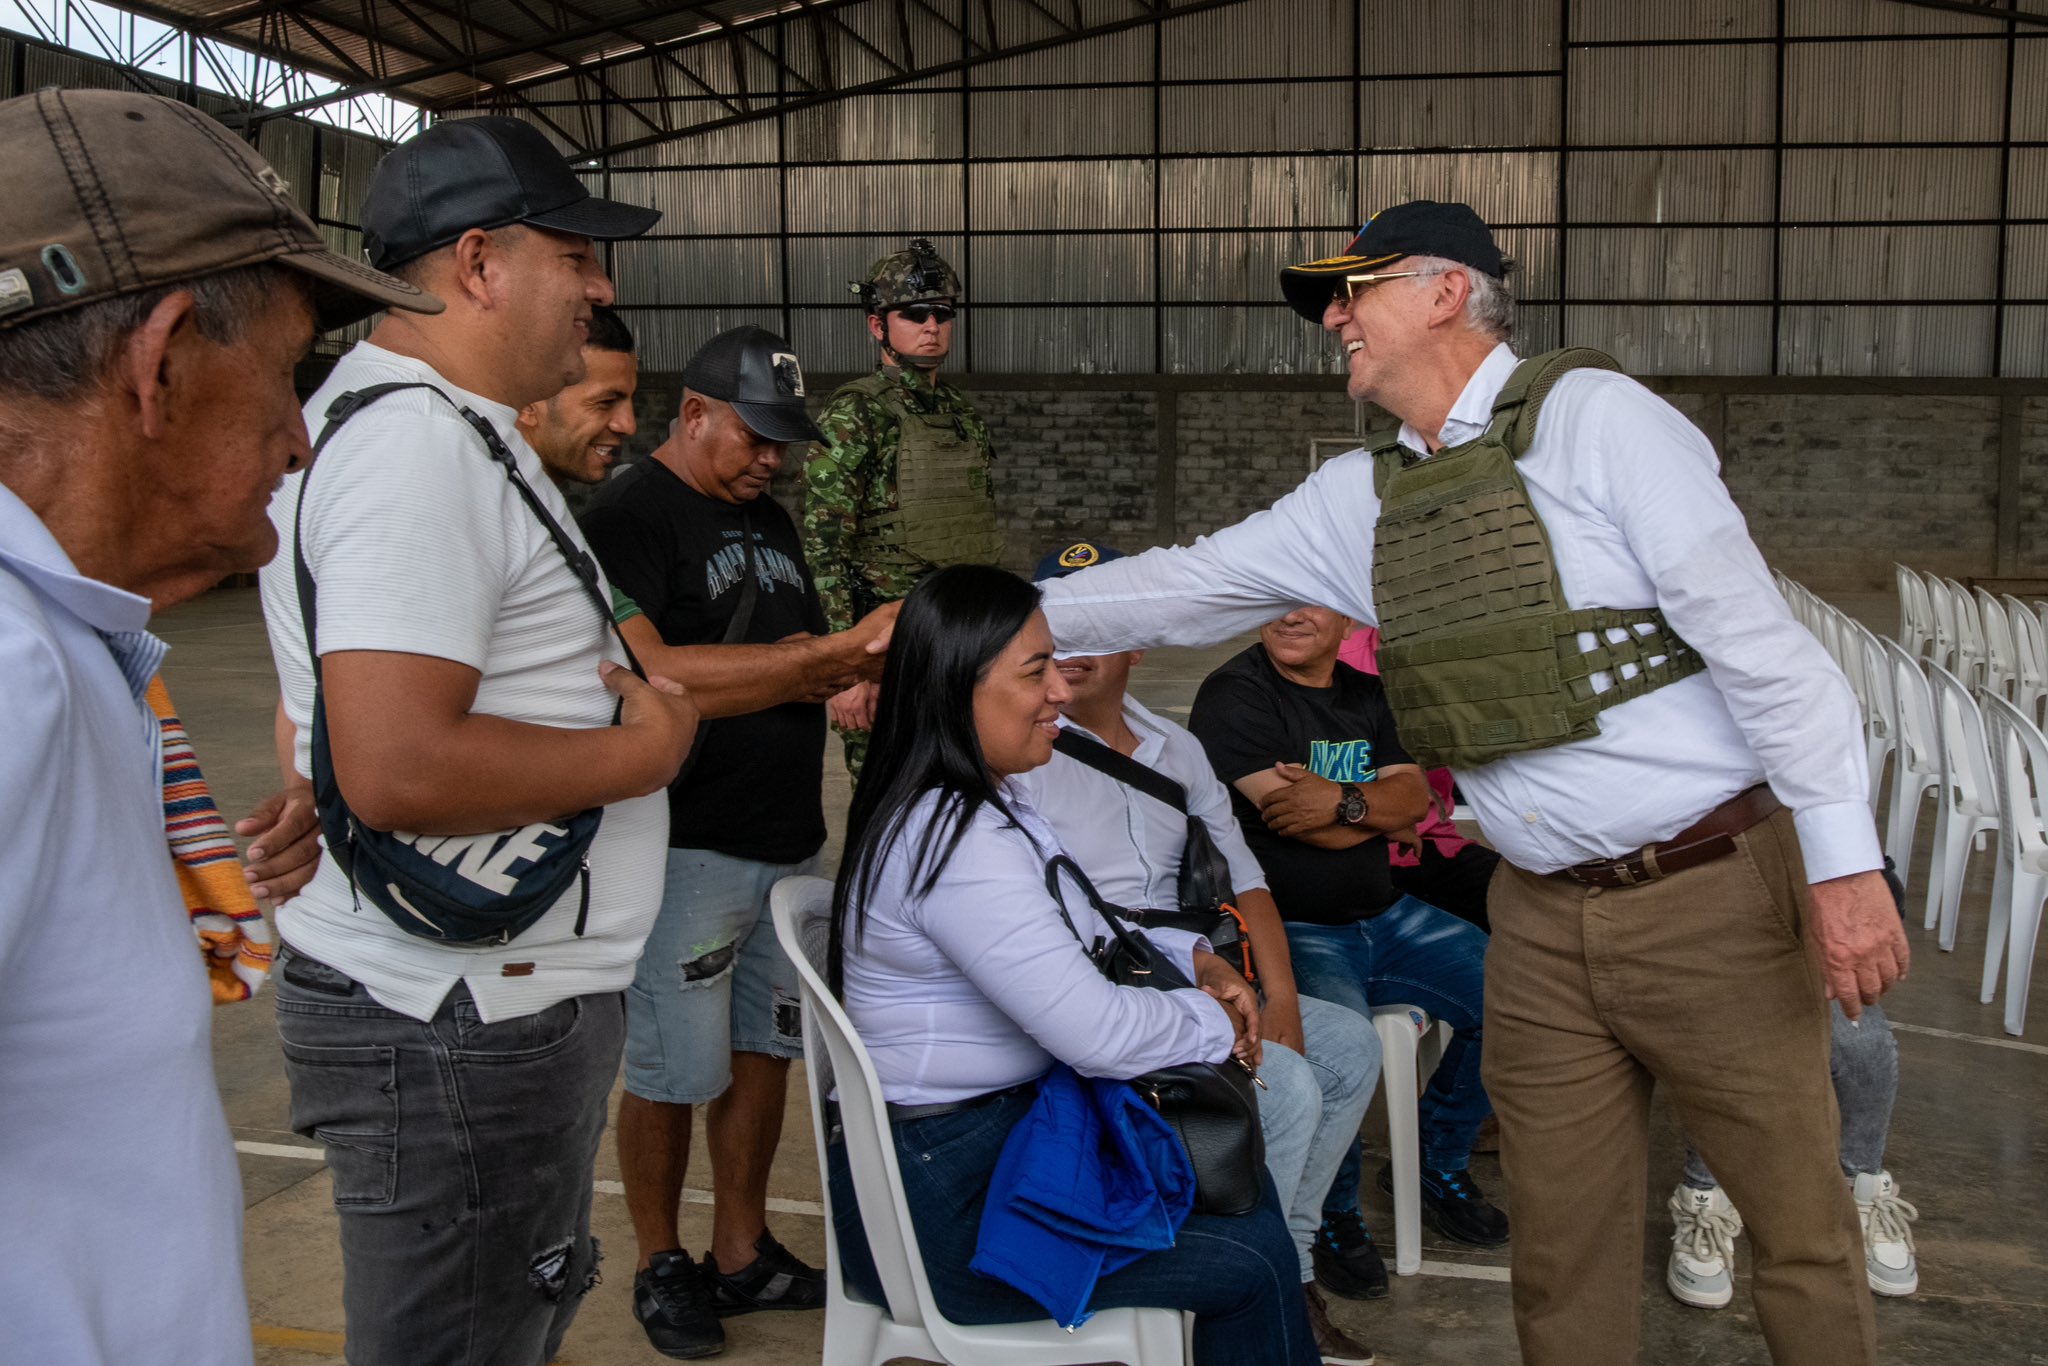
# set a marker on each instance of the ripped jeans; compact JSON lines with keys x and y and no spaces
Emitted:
{"x":461,"y":1154}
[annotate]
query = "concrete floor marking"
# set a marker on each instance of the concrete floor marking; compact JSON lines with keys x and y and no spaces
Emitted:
{"x":1458,"y":1272}
{"x":2014,"y":1044}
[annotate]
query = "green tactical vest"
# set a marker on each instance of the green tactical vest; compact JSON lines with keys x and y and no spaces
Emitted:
{"x":1480,"y":655}
{"x":945,"y":511}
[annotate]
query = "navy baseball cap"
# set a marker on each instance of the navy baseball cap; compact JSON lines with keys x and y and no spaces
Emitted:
{"x":482,"y":173}
{"x":1421,"y":227}
{"x":755,"y":371}
{"x":1072,"y":558}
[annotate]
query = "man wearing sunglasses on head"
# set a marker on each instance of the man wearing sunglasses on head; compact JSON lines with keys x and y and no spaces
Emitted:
{"x":900,"y":485}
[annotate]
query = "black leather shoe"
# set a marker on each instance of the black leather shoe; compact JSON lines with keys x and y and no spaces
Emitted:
{"x":673,"y":1303}
{"x":775,"y":1279}
{"x":1346,"y":1262}
{"x":1456,"y":1207}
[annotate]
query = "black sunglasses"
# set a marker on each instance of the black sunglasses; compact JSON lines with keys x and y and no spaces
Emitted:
{"x":921,"y":314}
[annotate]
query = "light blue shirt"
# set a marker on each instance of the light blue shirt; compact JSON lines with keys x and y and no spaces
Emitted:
{"x":118,"y":1183}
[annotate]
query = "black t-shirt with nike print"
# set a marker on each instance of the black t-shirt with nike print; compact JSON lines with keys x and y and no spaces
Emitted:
{"x":1249,"y":718}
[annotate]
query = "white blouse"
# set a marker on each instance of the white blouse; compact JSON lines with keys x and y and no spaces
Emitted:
{"x":979,"y":985}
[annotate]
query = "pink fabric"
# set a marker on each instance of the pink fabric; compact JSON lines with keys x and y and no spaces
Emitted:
{"x":1362,"y":651}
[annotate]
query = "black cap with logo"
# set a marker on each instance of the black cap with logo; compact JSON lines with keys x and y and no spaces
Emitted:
{"x":1421,"y":227}
{"x":482,"y":173}
{"x":755,"y":371}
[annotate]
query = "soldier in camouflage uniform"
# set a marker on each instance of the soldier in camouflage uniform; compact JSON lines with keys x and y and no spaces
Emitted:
{"x":900,"y":485}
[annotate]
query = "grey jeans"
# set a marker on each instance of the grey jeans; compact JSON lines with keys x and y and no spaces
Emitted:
{"x":461,"y":1154}
{"x":1864,"y":1062}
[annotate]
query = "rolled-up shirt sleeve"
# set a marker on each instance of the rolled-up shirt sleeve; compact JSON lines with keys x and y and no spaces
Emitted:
{"x":992,"y":917}
{"x":1657,"y":478}
{"x":1312,"y":548}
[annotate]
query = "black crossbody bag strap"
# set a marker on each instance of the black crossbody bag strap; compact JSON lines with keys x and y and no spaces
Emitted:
{"x":1121,"y":767}
{"x":750,"y":591}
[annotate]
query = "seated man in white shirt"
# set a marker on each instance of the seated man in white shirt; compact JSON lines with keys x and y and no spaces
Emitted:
{"x":1322,"y":1060}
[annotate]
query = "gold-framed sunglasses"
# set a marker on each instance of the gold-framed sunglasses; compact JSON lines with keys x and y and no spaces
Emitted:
{"x":1356,"y":285}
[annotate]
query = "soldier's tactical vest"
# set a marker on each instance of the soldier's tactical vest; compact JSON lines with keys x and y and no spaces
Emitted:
{"x":945,"y":511}
{"x":1480,"y":655}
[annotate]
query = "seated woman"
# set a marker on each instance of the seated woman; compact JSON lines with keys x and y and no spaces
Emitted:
{"x":965,"y":984}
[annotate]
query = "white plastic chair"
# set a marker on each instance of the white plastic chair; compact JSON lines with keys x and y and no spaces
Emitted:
{"x":1969,"y":665}
{"x":1966,"y":805}
{"x":1916,"y":617}
{"x":858,"y":1334}
{"x":2001,"y":649}
{"x":2020,"y":760}
{"x":1941,"y":646}
{"x":1880,"y":707}
{"x":1917,"y":765}
{"x":1411,"y":1045}
{"x":2031,"y":644}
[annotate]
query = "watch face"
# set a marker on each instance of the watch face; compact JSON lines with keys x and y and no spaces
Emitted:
{"x":1351,"y":807}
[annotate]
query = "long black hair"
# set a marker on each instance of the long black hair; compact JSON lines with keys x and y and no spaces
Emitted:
{"x":953,"y":625}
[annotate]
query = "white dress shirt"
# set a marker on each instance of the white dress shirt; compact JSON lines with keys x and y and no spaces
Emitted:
{"x":117,"y":1175}
{"x":1129,"y":843}
{"x":977,"y":985}
{"x":1631,"y":496}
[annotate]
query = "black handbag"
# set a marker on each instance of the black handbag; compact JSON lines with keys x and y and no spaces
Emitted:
{"x":1212,"y":1106}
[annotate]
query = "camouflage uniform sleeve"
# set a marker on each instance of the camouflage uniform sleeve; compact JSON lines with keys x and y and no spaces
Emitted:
{"x":835,"y":487}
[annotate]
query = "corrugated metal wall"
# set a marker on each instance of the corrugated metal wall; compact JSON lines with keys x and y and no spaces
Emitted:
{"x":1796,"y":187}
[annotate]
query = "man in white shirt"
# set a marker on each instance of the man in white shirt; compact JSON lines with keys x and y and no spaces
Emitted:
{"x":470,"y":684}
{"x":1654,"y":921}
{"x":1321,"y":1060}
{"x":149,"y":326}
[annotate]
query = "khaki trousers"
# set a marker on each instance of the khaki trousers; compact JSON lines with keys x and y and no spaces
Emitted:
{"x":1702,"y":982}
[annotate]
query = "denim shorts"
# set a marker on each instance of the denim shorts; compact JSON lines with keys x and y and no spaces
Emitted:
{"x":712,"y":980}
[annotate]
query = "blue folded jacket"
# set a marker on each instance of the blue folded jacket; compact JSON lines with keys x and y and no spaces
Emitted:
{"x":1090,"y":1180}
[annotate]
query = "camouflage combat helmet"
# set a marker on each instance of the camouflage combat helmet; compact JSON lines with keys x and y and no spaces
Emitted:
{"x":907,"y":277}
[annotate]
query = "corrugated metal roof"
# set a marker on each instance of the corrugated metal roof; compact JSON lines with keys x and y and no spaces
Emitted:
{"x":1534,"y":252}
{"x":1889,"y":339}
{"x":1536,"y":329}
{"x":836,"y":340}
{"x":1063,"y":340}
{"x":882,"y":199}
{"x":1492,"y":111}
{"x":1235,"y":265}
{"x":1291,"y":38}
{"x":1658,"y":186}
{"x":741,"y":142}
{"x":2030,"y":90}
{"x":1410,"y":36}
{"x":1891,"y":182}
{"x":1648,"y":96}
{"x":1064,"y":269}
{"x":1676,"y":339}
{"x":886,"y":127}
{"x":1866,"y":92}
{"x":2028,"y":179}
{"x":1502,"y":187}
{"x":697,"y":271}
{"x":1856,"y":18}
{"x":1125,"y":56}
{"x":1087,"y":194}
{"x":1669,"y":263}
{"x":2026,"y":342}
{"x":1247,"y":341}
{"x":1034,"y":123}
{"x":666,"y":338}
{"x":1256,"y":192}
{"x":1253,"y":118}
{"x":1596,"y":21}
{"x":1889,"y":263}
{"x":2026,"y":261}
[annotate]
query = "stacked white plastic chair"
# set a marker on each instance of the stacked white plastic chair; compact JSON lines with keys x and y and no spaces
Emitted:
{"x":1941,"y":647}
{"x":1916,"y":613}
{"x":1969,"y":662}
{"x":1966,"y":805}
{"x":2001,"y":649}
{"x":1880,"y":706}
{"x":2020,"y":763}
{"x":1916,"y":767}
{"x":2030,"y":644}
{"x":859,"y":1334}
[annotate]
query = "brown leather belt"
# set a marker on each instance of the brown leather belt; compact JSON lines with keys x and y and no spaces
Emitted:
{"x":1712,"y":836}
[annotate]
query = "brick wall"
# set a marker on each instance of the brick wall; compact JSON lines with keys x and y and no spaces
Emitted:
{"x":2033,"y":519}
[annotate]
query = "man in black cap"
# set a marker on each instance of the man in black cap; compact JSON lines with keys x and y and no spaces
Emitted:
{"x":470,"y":684}
{"x":1574,"y":617}
{"x":149,"y":324}
{"x":713,"y":1017}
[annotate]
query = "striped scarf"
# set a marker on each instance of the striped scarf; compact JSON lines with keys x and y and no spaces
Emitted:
{"x":232,"y":936}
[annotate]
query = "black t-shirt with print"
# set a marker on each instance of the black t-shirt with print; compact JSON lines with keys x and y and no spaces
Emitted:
{"x":1249,"y":718}
{"x":753,"y":789}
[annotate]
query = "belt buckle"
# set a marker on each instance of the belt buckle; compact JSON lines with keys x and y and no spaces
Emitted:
{"x":1623,"y":873}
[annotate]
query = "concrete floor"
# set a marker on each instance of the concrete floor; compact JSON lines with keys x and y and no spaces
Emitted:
{"x":1969,"y":1139}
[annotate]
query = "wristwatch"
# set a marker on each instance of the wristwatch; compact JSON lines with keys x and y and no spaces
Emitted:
{"x":1351,"y":806}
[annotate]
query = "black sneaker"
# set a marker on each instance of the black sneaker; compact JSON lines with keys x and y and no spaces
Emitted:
{"x":1346,"y":1262}
{"x":673,"y":1303}
{"x":1456,"y":1207}
{"x":775,"y":1279}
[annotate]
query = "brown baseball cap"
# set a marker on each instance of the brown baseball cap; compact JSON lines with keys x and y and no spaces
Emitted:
{"x":111,"y":193}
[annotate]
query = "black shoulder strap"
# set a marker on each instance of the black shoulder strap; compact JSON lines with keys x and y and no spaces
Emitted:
{"x":347,"y":406}
{"x":750,"y":591}
{"x":1121,"y":767}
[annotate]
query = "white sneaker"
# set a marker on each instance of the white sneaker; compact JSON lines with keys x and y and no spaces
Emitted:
{"x":1887,"y":1235}
{"x":1704,"y":1227}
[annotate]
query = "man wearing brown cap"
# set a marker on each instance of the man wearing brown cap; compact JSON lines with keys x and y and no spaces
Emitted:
{"x":472,"y":704}
{"x":149,"y":326}
{"x":1574,"y":616}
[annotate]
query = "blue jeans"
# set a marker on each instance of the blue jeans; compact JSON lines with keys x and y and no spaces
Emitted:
{"x":1414,"y":953}
{"x":1311,"y":1109}
{"x":461,"y":1154}
{"x":1236,"y":1275}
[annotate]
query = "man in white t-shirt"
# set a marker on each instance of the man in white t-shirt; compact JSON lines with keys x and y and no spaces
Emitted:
{"x":469,"y":683}
{"x":149,"y":325}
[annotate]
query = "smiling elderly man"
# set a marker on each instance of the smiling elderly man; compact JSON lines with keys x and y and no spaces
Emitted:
{"x":149,"y":327}
{"x":1574,"y":616}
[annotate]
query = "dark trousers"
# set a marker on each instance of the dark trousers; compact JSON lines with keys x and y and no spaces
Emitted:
{"x":1239,"y":1276}
{"x":1456,"y":883}
{"x":461,"y":1154}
